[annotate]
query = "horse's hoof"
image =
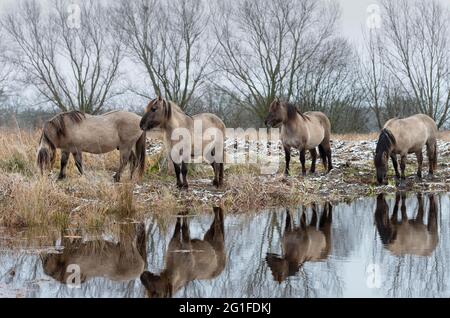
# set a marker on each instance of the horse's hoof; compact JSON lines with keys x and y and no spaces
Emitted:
{"x":60,"y":178}
{"x":185,"y":186}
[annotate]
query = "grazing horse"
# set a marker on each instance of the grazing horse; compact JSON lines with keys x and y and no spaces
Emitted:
{"x":404,"y":136}
{"x":195,"y":131}
{"x":303,"y":132}
{"x":189,"y":259}
{"x":75,"y":132}
{"x":122,"y":261}
{"x":407,"y":236}
{"x":306,"y":243}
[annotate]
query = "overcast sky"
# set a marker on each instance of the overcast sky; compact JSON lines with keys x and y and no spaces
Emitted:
{"x":354,"y":15}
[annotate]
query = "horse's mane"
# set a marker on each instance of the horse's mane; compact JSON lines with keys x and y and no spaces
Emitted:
{"x":169,"y":107}
{"x":58,"y":121}
{"x":385,"y":141}
{"x":292,"y":110}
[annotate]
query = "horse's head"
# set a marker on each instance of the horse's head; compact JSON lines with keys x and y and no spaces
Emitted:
{"x":46,"y":153}
{"x":277,"y":114}
{"x":157,"y":112}
{"x":156,"y":286}
{"x":282,"y":267}
{"x":382,"y":153}
{"x":56,"y":266}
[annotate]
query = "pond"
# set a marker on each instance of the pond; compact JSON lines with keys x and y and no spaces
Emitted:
{"x":387,"y":246}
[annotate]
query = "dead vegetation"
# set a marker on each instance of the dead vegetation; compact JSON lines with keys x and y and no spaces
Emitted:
{"x":94,"y":201}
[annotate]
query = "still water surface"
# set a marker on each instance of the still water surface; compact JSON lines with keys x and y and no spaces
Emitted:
{"x":385,"y":246}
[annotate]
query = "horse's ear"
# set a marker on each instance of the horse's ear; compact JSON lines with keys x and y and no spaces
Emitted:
{"x":159,"y":98}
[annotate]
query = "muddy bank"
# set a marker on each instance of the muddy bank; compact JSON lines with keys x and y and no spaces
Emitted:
{"x":246,"y":188}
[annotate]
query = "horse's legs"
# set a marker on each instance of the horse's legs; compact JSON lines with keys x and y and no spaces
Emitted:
{"x":432,"y":156}
{"x":302,"y":161}
{"x":287,"y":226}
{"x":395,"y":164}
{"x":220,"y":174}
{"x":287,"y":156}
{"x":185,"y":235}
{"x":326,"y":216}
{"x":303,"y":219}
{"x":420,"y":211}
{"x":419,"y":156}
{"x":124,"y":157}
{"x":177,"y":230}
{"x":402,"y":168}
{"x":177,"y":173}
{"x":326,"y":148}
{"x":78,"y":156}
{"x":394,"y":216}
{"x":313,"y":153}
{"x":314,"y":215}
{"x":432,"y":215}
{"x":184,"y":171}
{"x":64,"y":159}
{"x":133,"y":164}
{"x":403,"y":208}
{"x":215,"y":167}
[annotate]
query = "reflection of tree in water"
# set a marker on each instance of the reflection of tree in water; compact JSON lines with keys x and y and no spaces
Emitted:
{"x":418,"y":276}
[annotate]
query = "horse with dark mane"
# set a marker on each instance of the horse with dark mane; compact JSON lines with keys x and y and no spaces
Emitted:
{"x":75,"y":132}
{"x":404,"y":136}
{"x":303,"y":132}
{"x":186,"y":136}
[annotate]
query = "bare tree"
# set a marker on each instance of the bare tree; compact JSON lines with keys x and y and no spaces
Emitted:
{"x":417,"y":47}
{"x":74,"y":66}
{"x":264,"y":43}
{"x":170,"y":40}
{"x":372,"y":73}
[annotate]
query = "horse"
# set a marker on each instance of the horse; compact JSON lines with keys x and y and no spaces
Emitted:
{"x":404,"y":136}
{"x":76,"y":132}
{"x":303,"y":132}
{"x":189,"y":259}
{"x":407,"y":236}
{"x":302,"y":244}
{"x":195,"y":131}
{"x":121,"y":261}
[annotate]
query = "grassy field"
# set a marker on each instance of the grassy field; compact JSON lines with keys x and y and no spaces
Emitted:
{"x":28,"y":199}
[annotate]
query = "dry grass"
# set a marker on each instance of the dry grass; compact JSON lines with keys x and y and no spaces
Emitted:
{"x":354,"y":137}
{"x":93,"y":201}
{"x":444,"y":135}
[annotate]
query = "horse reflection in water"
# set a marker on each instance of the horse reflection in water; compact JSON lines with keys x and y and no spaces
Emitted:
{"x":306,"y":243}
{"x":189,"y":259}
{"x":407,"y":236}
{"x":122,"y":261}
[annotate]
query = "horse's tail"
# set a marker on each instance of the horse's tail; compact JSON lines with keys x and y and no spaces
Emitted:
{"x":140,"y":153}
{"x":46,"y":153}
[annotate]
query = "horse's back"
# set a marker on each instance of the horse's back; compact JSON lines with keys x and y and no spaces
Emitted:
{"x":412,"y":133}
{"x":104,"y":133}
{"x":210,"y":120}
